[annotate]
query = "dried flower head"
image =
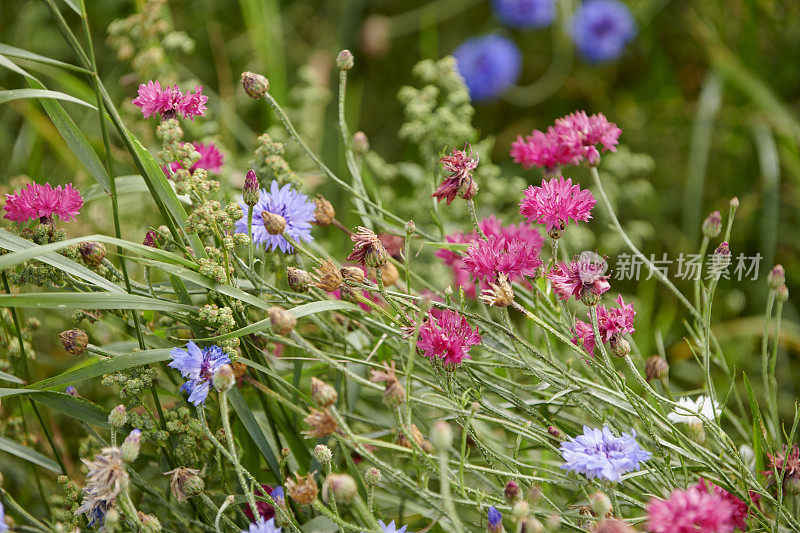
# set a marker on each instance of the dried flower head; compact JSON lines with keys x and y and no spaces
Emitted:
{"x":323,"y":394}
{"x":303,"y":489}
{"x":655,"y":368}
{"x":393,"y":394}
{"x":327,"y":276}
{"x":367,"y":248}
{"x":322,"y":424}
{"x":185,"y":483}
{"x":298,"y":279}
{"x":324,"y":213}
{"x":105,"y":479}
{"x":353,"y":274}
{"x":460,"y":164}
{"x":499,"y":294}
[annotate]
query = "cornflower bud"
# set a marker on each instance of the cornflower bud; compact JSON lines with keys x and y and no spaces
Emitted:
{"x":494,"y":520}
{"x":328,"y":277}
{"x":619,"y":345}
{"x":224,"y":378}
{"x":151,"y":239}
{"x":655,"y":368}
{"x":303,"y":489}
{"x":118,"y":417}
{"x":185,"y":483}
{"x":298,"y":279}
{"x":782,"y":293}
{"x":129,"y":450}
{"x":512,"y":492}
{"x":111,"y":520}
{"x":251,"y":191}
{"x":273,"y":223}
{"x":74,"y":341}
{"x":283,"y":322}
{"x":372,"y":477}
{"x":345,"y":61}
{"x":322,"y":454}
{"x":734,"y":203}
{"x":531,"y":525}
{"x":323,"y":394}
{"x":410,"y":227}
{"x":343,"y":487}
{"x":255,"y":85}
{"x":776,"y":277}
{"x":150,"y":523}
{"x":722,"y":257}
{"x":520,"y":509}
{"x":360,"y":143}
{"x":389,"y":273}
{"x":324,"y":213}
{"x":600,"y":503}
{"x":93,"y":252}
{"x":441,"y":435}
{"x":712,"y":225}
{"x":352,"y":274}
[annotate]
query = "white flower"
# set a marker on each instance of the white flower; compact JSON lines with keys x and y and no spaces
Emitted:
{"x":688,"y":410}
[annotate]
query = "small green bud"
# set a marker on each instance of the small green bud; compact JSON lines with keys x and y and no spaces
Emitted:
{"x":600,"y":504}
{"x":74,"y":341}
{"x":776,"y":277}
{"x":343,"y":487}
{"x":372,"y":477}
{"x":118,"y":417}
{"x":255,"y":85}
{"x":129,"y":450}
{"x":344,"y":61}
{"x":223,"y":379}
{"x":441,"y":435}
{"x":360,"y":143}
{"x":322,"y":454}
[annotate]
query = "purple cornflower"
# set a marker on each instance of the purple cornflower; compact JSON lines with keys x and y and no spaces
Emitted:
{"x":598,"y":453}
{"x":525,"y":13}
{"x":555,"y":203}
{"x":489,"y":65}
{"x":495,"y":520}
{"x":170,"y":102}
{"x":292,"y":205}
{"x":601,"y":29}
{"x":264,"y":527}
{"x":198,"y":366}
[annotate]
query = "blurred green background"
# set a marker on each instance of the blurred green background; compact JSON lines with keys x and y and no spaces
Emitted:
{"x":706,"y":95}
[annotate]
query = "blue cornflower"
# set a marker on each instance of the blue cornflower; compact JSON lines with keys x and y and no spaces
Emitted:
{"x":292,"y":205}
{"x":598,"y":453}
{"x":391,"y":528}
{"x":198,"y":366}
{"x":525,"y":13}
{"x":489,"y":65}
{"x":278,"y":495}
{"x":3,"y":526}
{"x":263,"y":527}
{"x":602,"y":28}
{"x":495,"y":520}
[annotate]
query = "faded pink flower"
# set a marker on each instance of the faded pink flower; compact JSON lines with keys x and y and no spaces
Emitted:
{"x":694,"y":510}
{"x":583,"y":277}
{"x":460,"y":164}
{"x":555,"y":203}
{"x":367,"y":248}
{"x":740,"y":509}
{"x":572,"y":139}
{"x":515,"y":258}
{"x":170,"y":101}
{"x":210,"y":159}
{"x":447,"y":335}
{"x":43,"y":202}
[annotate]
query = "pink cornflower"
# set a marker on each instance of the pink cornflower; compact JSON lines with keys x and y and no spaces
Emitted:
{"x":491,"y":227}
{"x":515,"y":258}
{"x":210,"y":159}
{"x":555,"y":203}
{"x":740,"y":509}
{"x":460,"y":165}
{"x":170,"y":101}
{"x":785,"y":462}
{"x":447,"y":335}
{"x":572,"y":139}
{"x":43,"y":202}
{"x":584,"y":278}
{"x":694,"y":510}
{"x":583,"y":133}
{"x":611,"y":323}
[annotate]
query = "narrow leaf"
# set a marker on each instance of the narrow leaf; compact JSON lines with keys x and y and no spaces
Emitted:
{"x":32,"y":456}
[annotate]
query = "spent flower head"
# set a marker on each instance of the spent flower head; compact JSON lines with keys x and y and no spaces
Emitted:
{"x":460,"y":164}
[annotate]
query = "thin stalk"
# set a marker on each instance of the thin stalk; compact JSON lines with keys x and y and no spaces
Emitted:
{"x":350,"y":158}
{"x":474,"y":217}
{"x":226,"y":425}
{"x":656,"y":272}
{"x":250,"y":237}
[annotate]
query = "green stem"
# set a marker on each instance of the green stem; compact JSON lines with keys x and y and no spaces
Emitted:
{"x":474,"y":217}
{"x":226,"y":425}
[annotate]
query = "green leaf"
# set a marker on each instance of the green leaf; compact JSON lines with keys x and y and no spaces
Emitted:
{"x":8,"y":377}
{"x":13,"y":51}
{"x":22,"y":94}
{"x":101,"y":367}
{"x":253,"y":429}
{"x":24,"y":250}
{"x":74,"y":406}
{"x":90,"y":300}
{"x":125,"y":185}
{"x":32,"y":456}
